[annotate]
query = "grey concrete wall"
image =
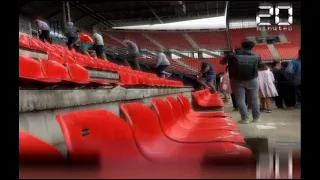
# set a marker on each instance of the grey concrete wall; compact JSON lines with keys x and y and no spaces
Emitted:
{"x":38,"y":100}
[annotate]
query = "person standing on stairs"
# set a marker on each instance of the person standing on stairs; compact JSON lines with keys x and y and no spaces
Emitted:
{"x":44,"y":31}
{"x":133,"y":53}
{"x":162,"y":64}
{"x":98,"y":45}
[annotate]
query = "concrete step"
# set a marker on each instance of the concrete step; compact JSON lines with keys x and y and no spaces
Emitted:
{"x":191,"y":41}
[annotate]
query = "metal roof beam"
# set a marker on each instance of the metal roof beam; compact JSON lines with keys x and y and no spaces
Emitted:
{"x":91,"y":13}
{"x":154,"y":13}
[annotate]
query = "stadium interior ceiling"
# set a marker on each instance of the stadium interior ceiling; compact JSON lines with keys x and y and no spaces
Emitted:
{"x":108,"y":14}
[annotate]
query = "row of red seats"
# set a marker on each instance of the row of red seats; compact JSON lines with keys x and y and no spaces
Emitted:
{"x":53,"y":72}
{"x":210,"y":40}
{"x":138,"y":78}
{"x":173,"y":134}
{"x":287,"y":51}
{"x":263,"y":51}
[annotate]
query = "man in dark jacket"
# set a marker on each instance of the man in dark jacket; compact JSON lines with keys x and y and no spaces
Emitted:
{"x":243,"y":74}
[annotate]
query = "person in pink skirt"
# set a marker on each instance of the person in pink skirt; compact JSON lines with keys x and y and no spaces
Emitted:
{"x":267,"y":89}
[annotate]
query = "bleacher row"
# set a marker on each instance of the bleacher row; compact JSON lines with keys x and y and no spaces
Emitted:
{"x":68,"y":66}
{"x":148,"y":142}
{"x":209,"y":40}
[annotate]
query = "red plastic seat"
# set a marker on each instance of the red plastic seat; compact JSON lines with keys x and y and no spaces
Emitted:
{"x":91,"y":62}
{"x":125,"y":79}
{"x":88,"y":133}
{"x":188,"y":111}
{"x":55,"y":57}
{"x":206,"y":99}
{"x":217,"y":123}
{"x":182,"y":131}
{"x":53,"y":70}
{"x":155,"y":145}
{"x":68,"y":59}
{"x":77,"y":74}
{"x":32,"y":149}
{"x":24,"y":40}
{"x":30,"y":68}
{"x":81,"y":60}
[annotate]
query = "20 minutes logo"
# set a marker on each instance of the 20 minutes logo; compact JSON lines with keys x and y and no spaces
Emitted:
{"x":269,"y":14}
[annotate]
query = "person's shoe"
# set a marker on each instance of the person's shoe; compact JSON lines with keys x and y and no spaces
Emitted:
{"x":256,"y":120}
{"x":268,"y":111}
{"x":244,"y":121}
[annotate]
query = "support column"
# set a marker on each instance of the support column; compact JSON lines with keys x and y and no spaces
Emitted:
{"x":63,"y":16}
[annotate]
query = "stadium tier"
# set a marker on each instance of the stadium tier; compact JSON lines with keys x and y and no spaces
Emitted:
{"x":263,"y":51}
{"x":112,"y":42}
{"x":136,"y":37}
{"x":238,"y":35}
{"x":287,"y":50}
{"x":174,"y":40}
{"x":210,"y":40}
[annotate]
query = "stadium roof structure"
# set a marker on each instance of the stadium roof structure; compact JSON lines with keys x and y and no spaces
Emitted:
{"x":123,"y":13}
{"x":108,"y":14}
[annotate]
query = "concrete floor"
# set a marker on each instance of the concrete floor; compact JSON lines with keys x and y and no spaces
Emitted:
{"x":281,"y":128}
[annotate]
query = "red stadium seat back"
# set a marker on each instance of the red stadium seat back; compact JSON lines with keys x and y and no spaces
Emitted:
{"x":100,"y":64}
{"x":124,"y":78}
{"x":87,"y":132}
{"x":24,"y":40}
{"x":185,"y":103}
{"x":53,"y":70}
{"x":91,"y":62}
{"x":69,"y":59}
{"x":134,"y":79}
{"x":176,"y":107}
{"x":33,"y":149}
{"x":78,"y":74}
{"x":164,"y":111}
{"x":35,"y":44}
{"x":30,"y":68}
{"x":81,"y":60}
{"x":55,"y":57}
{"x":143,"y":120}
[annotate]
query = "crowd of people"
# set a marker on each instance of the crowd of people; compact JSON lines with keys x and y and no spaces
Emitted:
{"x":254,"y":85}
